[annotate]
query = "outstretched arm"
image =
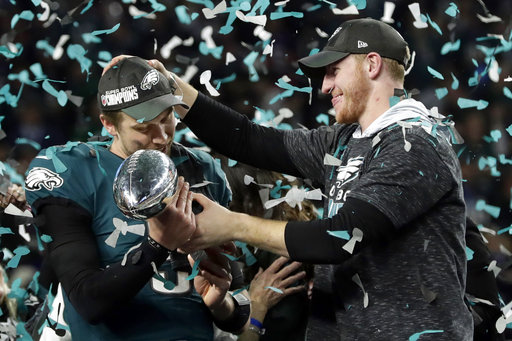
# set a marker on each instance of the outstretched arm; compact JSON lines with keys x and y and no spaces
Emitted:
{"x":356,"y":225}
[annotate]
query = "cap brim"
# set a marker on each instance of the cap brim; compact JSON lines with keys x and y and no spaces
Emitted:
{"x":314,"y":66}
{"x":148,"y":110}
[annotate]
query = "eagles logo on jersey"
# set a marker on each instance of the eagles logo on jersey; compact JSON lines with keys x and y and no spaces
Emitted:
{"x":39,"y":177}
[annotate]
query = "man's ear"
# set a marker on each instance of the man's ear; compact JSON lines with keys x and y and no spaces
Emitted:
{"x":109,"y":126}
{"x":374,"y":65}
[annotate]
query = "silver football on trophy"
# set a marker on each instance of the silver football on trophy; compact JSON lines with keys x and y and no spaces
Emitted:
{"x":142,"y":181}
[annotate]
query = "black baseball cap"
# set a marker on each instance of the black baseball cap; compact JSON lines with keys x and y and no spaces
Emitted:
{"x":137,"y":89}
{"x":357,"y":36}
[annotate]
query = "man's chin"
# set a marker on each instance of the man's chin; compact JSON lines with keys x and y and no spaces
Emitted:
{"x":342,"y":118}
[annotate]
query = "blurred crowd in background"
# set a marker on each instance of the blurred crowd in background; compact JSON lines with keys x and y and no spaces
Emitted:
{"x":52,"y":54}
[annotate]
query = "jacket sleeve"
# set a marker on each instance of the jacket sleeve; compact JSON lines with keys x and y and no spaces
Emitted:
{"x":93,"y":290}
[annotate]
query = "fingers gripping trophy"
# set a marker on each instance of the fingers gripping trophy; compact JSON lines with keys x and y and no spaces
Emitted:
{"x":144,"y":184}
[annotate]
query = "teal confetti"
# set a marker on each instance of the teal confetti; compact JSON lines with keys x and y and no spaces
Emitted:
{"x":416,"y":336}
{"x":23,"y":335}
{"x":495,"y":135}
{"x":105,"y":55}
{"x":216,"y":52}
{"x":421,"y":173}
{"x":232,"y":163}
{"x":46,"y":238}
{"x":509,"y":130}
{"x":455,"y":82}
{"x":433,"y":24}
{"x":469,"y":253}
{"x":249,"y":257}
{"x":491,"y":162}
{"x":195,"y":270}
{"x":7,"y":53}
{"x":57,"y":163}
{"x":22,"y":77}
{"x":227,"y":79}
{"x":506,"y":229}
{"x":17,"y":292}
{"x":93,"y":37}
{"x":77,"y":52}
{"x":289,"y":90}
{"x":465,"y":103}
{"x":18,"y":253}
{"x":179,"y":160}
{"x":281,"y":15}
{"x":339,"y":234}
{"x":23,"y":140}
{"x":61,"y":96}
{"x":156,"y":6}
{"x":504,"y":160}
{"x":182,"y":14}
{"x":360,"y":4}
{"x":393,"y":100}
{"x":86,"y":8}
{"x":441,"y":92}
{"x":249,"y":62}
{"x":37,"y":70}
{"x":275,"y":192}
{"x":494,"y":211}
{"x":7,"y":97}
{"x":102,"y":170}
{"x":45,"y":46}
{"x":279,"y":291}
{"x":168,"y":284}
{"x":262,"y":5}
{"x":472,"y":81}
{"x":450,"y":47}
{"x":452,"y":10}
{"x":435,"y":73}
{"x":322,"y":118}
{"x":507,"y":92}
{"x":5,"y":230}
{"x":230,"y":257}
{"x":237,"y":291}
{"x":25,"y":15}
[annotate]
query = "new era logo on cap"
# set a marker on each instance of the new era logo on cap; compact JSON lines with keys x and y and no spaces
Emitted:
{"x":361,"y":44}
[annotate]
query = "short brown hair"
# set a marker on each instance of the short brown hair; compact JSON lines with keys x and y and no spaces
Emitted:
{"x":113,"y":116}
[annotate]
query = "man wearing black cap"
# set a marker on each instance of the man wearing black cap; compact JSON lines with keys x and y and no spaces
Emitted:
{"x":391,"y":244}
{"x":123,"y":278}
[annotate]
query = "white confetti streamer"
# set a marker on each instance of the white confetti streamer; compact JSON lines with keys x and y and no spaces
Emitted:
{"x":415,"y":10}
{"x":389,"y":8}
{"x":357,"y":280}
{"x":357,"y":236}
{"x":212,"y":13}
{"x":205,"y":80}
{"x":350,"y":10}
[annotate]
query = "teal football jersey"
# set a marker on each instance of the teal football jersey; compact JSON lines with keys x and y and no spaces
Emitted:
{"x":84,"y":173}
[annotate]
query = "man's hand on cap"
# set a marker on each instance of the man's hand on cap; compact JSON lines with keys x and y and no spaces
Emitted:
{"x":114,"y":61}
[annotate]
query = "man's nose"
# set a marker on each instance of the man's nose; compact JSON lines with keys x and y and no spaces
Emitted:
{"x":327,"y":84}
{"x":159,"y":135}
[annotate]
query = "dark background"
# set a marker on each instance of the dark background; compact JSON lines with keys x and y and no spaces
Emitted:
{"x":37,"y":116}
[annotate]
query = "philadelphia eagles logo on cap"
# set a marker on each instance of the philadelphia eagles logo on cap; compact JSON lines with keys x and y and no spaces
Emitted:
{"x":151,"y":78}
